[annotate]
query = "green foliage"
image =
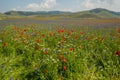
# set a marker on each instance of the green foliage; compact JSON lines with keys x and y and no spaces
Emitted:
{"x":62,"y":53}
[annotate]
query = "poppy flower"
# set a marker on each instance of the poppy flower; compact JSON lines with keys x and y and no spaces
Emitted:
{"x":43,"y":35}
{"x":117,"y":53}
{"x":71,"y":49}
{"x":38,"y":40}
{"x":60,"y":56}
{"x":61,"y":30}
{"x":5,"y":44}
{"x":64,"y":60}
{"x":50,"y":34}
{"x":64,"y":68}
{"x":81,"y":33}
{"x":76,"y":37}
{"x":119,"y":30}
{"x":46,"y":52}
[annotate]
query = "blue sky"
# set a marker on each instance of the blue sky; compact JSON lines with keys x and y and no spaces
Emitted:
{"x":61,"y":5}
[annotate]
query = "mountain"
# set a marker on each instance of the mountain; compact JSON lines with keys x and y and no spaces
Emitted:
{"x":94,"y":13}
{"x":97,"y":13}
{"x":25,"y":13}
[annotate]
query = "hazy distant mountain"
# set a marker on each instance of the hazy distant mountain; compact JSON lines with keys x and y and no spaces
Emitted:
{"x":25,"y":13}
{"x":97,"y":13}
{"x":94,"y":13}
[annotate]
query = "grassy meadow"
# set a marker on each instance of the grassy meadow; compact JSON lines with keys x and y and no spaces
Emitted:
{"x":66,"y":50}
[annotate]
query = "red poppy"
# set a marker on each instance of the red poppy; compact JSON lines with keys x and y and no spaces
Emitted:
{"x":46,"y":52}
{"x":50,"y":34}
{"x":71,"y":49}
{"x":64,"y":60}
{"x":81,"y":33}
{"x":61,"y":56}
{"x":76,"y":37}
{"x":38,"y":40}
{"x":5,"y":44}
{"x":64,"y":68}
{"x":61,"y":30}
{"x":117,"y":53}
{"x":119,"y":30}
{"x":43,"y":35}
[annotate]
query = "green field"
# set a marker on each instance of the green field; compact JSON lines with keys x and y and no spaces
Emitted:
{"x":39,"y":52}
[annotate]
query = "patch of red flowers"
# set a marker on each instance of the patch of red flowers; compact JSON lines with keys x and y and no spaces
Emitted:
{"x":61,"y":30}
{"x":117,"y":53}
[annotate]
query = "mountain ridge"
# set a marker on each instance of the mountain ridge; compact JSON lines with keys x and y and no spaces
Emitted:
{"x":93,"y":13}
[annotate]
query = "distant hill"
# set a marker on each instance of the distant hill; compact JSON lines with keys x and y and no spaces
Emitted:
{"x":94,"y":13}
{"x":25,"y":13}
{"x":97,"y":13}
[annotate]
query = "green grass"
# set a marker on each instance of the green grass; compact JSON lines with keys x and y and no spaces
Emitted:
{"x":59,"y":53}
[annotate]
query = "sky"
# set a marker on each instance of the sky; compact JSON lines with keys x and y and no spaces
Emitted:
{"x":58,"y":5}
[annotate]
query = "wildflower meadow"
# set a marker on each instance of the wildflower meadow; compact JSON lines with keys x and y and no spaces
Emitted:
{"x":37,"y":52}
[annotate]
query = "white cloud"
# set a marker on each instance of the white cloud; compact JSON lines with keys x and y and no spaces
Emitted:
{"x":44,"y":5}
{"x":108,"y":4}
{"x":14,"y":9}
{"x":32,"y":6}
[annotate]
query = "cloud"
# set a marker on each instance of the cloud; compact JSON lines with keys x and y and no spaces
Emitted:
{"x":16,"y":8}
{"x":108,"y":4}
{"x":44,"y":5}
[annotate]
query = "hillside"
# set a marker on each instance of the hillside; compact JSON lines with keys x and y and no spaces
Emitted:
{"x":97,"y":13}
{"x":94,"y":13}
{"x":25,"y":13}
